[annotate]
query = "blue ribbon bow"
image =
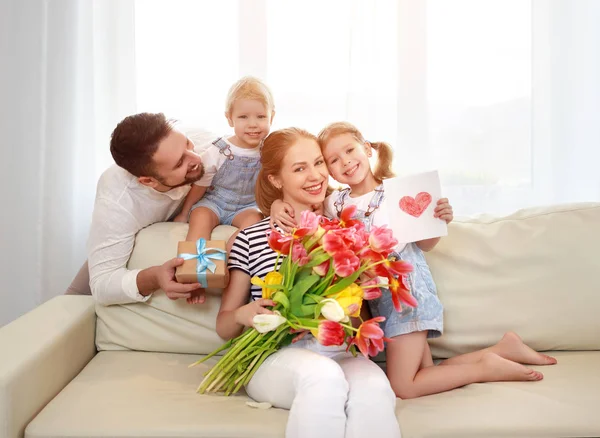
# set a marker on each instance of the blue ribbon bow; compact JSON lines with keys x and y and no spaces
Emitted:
{"x":204,"y":260}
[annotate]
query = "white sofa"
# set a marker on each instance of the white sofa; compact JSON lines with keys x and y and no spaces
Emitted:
{"x":73,"y":369}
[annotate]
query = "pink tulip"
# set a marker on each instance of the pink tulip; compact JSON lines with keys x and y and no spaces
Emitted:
{"x":333,"y":242}
{"x":330,"y":333}
{"x":354,"y":238}
{"x":384,"y":267}
{"x":398,"y":267}
{"x":346,"y":216}
{"x":322,"y":269}
{"x":381,"y":240}
{"x":362,"y":236}
{"x":369,"y":338}
{"x":401,"y":293}
{"x":376,"y":259}
{"x":345,"y":263}
{"x":309,"y":223}
{"x":278,"y":242}
{"x":344,"y":239}
{"x":370,"y":290}
{"x":299,"y":254}
{"x":329,"y":224}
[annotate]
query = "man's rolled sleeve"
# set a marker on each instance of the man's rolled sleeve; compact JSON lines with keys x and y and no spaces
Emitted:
{"x":130,"y":287}
{"x":112,"y":236}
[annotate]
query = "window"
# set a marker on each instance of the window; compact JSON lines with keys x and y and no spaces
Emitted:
{"x":448,"y":84}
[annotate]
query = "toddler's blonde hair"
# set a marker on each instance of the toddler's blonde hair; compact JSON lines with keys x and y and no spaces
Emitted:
{"x":249,"y":87}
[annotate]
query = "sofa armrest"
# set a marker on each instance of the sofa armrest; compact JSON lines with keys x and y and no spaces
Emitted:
{"x":41,"y":353}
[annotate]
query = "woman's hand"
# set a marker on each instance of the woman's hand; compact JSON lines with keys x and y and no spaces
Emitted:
{"x":443,"y":210}
{"x":282,"y":215}
{"x":245,"y":314}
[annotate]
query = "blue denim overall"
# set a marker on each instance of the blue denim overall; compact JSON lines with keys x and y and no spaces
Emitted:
{"x":366,"y":217}
{"x":232,"y":187}
{"x":428,"y":315}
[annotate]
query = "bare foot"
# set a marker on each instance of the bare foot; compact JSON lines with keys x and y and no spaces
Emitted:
{"x":511,"y":347}
{"x":498,"y":369}
{"x":196,"y":298}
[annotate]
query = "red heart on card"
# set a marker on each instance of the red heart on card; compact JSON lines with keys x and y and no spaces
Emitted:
{"x":417,"y":205}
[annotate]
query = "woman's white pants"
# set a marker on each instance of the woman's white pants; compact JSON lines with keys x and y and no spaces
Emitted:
{"x":329,"y":393}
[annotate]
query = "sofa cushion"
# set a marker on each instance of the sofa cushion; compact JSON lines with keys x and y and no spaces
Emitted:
{"x":565,"y":403}
{"x":133,"y":394}
{"x":534,"y":272}
{"x":161,"y":324}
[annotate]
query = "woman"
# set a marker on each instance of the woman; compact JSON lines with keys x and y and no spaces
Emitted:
{"x":329,"y":392}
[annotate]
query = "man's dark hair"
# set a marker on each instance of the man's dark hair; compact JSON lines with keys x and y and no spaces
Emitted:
{"x":135,"y":140}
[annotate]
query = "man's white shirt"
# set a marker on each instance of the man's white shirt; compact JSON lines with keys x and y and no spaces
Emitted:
{"x":122,"y":208}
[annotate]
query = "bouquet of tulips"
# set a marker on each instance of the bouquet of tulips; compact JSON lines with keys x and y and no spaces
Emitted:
{"x":323,"y":272}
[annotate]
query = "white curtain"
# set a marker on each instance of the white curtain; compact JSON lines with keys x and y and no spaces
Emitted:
{"x":566,"y":100}
{"x":67,"y":77}
{"x":502,"y":96}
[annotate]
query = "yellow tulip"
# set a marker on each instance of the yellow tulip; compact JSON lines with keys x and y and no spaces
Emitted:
{"x":350,"y":299}
{"x":272,"y":278}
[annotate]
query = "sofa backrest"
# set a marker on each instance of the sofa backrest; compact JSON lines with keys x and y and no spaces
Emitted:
{"x":161,"y":324}
{"x":534,"y":272}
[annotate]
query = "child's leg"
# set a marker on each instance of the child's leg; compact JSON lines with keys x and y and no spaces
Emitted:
{"x":370,"y":396}
{"x":202,"y":221}
{"x":510,"y":347}
{"x":406,"y":355}
{"x":242,"y":220}
{"x":229,"y":244}
{"x":245,"y":218}
{"x":311,"y":386}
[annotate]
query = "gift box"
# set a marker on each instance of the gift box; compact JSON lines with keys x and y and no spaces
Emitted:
{"x":205,"y":263}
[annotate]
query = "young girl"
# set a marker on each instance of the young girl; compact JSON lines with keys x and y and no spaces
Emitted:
{"x":225,"y":194}
{"x":410,"y":366}
{"x":329,"y":393}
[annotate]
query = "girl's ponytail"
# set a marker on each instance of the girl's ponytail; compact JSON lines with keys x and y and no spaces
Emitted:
{"x":385,"y":157}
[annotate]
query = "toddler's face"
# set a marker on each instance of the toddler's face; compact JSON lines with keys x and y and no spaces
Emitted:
{"x":251,"y":122}
{"x":347,"y":159}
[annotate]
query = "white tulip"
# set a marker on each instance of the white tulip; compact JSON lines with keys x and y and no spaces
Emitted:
{"x":332,"y":310}
{"x":266,"y":323}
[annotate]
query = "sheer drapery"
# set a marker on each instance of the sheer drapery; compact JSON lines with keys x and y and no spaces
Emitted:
{"x":501,"y":96}
{"x":67,"y":78}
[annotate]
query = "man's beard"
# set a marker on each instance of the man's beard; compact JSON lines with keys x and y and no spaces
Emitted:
{"x":186,"y":181}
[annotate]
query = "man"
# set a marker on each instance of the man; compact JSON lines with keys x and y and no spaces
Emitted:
{"x":155,"y":165}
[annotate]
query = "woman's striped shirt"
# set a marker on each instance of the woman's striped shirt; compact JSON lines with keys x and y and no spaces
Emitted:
{"x":251,"y":254}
